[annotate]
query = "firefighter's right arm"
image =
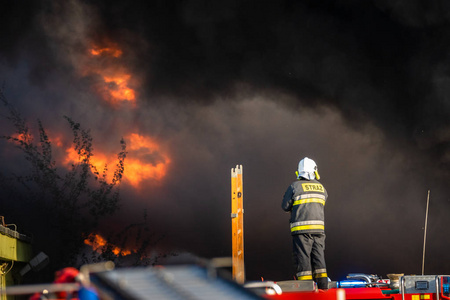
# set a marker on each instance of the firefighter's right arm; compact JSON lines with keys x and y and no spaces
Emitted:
{"x":286,"y":205}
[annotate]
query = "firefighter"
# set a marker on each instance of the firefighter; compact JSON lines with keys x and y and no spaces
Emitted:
{"x":305,"y":199}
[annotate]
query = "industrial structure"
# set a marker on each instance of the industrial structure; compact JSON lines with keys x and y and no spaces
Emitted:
{"x":15,"y":253}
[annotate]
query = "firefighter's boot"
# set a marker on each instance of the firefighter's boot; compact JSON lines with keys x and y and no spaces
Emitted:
{"x":322,"y":283}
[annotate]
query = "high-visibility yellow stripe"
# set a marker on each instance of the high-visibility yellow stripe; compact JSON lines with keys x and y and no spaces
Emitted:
{"x":307,"y":227}
{"x":306,"y":277}
{"x":309,"y":200}
{"x":320,"y":275}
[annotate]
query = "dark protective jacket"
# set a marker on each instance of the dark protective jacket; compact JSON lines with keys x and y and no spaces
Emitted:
{"x":305,"y":199}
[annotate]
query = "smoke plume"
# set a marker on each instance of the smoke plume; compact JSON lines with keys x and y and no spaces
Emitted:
{"x":196,"y":87}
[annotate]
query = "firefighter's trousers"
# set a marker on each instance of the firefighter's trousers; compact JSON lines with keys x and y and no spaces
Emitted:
{"x":310,"y":258}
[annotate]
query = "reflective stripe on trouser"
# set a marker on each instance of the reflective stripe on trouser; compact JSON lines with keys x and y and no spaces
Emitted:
{"x":305,"y":275}
{"x":319,"y":273}
{"x":309,"y":256}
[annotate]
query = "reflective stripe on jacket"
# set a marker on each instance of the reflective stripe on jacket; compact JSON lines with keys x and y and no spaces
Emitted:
{"x":305,"y":199}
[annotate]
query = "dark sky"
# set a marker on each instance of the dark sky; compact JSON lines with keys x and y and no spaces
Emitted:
{"x":361,"y":87}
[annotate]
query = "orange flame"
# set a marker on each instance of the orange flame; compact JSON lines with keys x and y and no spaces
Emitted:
{"x":97,"y":242}
{"x":115,"y":52}
{"x":116,"y":80}
{"x":55,"y":139}
{"x":121,"y":91}
{"x":98,"y":161}
{"x":23,"y":137}
{"x":145,"y":160}
{"x":138,"y":169}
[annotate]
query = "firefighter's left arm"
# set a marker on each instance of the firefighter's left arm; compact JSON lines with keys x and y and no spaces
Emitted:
{"x":286,"y":205}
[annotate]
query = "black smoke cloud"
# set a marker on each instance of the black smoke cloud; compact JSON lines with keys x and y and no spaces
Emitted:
{"x":378,"y":60}
{"x":361,"y":87}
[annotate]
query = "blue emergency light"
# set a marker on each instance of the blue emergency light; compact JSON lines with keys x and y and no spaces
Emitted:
{"x":351,"y":284}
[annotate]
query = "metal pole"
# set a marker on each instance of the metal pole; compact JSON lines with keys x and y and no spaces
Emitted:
{"x":425,"y":233}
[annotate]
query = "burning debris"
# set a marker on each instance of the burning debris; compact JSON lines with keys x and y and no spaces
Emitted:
{"x":100,"y":245}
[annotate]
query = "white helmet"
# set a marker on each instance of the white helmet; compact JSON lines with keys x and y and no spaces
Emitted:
{"x":307,"y":169}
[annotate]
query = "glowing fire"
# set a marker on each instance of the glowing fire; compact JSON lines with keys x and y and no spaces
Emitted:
{"x":98,"y":244}
{"x":122,"y":91}
{"x":22,"y":137}
{"x":115,"y":87}
{"x":136,"y":169}
{"x":145,"y":160}
{"x":116,"y":80}
{"x":28,"y":138}
{"x":115,"y":52}
{"x":98,"y":161}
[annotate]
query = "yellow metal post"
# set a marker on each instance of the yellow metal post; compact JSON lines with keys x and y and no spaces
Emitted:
{"x":237,"y":224}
